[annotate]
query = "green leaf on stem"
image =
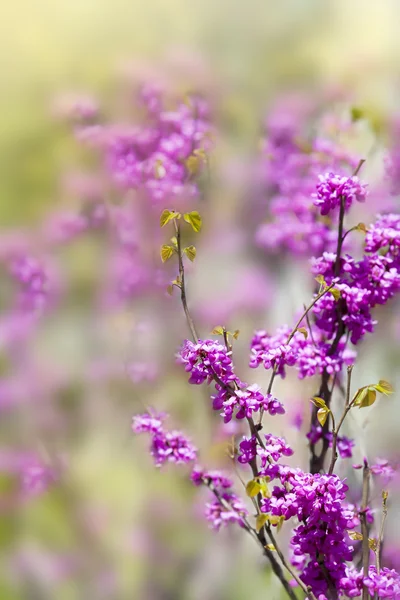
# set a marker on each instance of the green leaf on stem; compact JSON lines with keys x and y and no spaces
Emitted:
{"x":335,"y":293}
{"x":356,"y":113}
{"x":355,"y":535}
{"x":319,"y":402}
{"x":384,"y":387}
{"x":261,"y":519}
{"x":167,"y":216}
{"x":253,"y":488}
{"x":190,"y":252}
{"x":322,"y":415}
{"x":194,"y":219}
{"x":218,"y":330}
{"x":166,"y":252}
{"x":304,"y":331}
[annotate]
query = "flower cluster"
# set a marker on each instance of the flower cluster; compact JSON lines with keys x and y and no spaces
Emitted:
{"x":166,"y":446}
{"x":292,"y":160}
{"x":209,"y":361}
{"x":227,"y":507}
{"x":334,"y":189}
{"x":310,"y":356}
{"x":320,"y":541}
{"x":159,"y":155}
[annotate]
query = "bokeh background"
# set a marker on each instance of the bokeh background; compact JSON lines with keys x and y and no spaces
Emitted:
{"x":114,"y":527}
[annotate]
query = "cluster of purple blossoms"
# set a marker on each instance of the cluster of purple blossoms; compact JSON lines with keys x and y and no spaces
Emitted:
{"x":362,"y":284}
{"x":292,"y":160}
{"x":385,"y":584}
{"x":344,"y":444}
{"x":227,"y":507}
{"x":310,"y":356}
{"x":271,"y":450}
{"x":209,"y":361}
{"x":152,"y":156}
{"x":334,"y":189}
{"x":317,"y":501}
{"x":166,"y":446}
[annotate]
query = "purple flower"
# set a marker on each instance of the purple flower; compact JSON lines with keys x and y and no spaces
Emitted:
{"x":218,"y":479}
{"x":170,"y":446}
{"x":383,"y":468}
{"x":220,"y":516}
{"x":332,"y":188}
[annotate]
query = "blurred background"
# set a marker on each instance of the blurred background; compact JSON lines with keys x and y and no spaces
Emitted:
{"x":110,"y":525}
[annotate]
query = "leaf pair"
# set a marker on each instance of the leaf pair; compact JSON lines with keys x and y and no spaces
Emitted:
{"x":323,"y":411}
{"x":366,"y":395}
{"x":193,"y":218}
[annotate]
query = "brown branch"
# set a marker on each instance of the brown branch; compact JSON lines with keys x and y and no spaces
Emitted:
{"x":306,"y":589}
{"x":182,"y":284}
{"x":364,"y":526}
{"x":381,"y":532}
{"x":335,"y":431}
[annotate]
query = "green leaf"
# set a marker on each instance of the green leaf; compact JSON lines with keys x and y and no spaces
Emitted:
{"x":194,"y":219}
{"x":253,"y":488}
{"x":335,"y":293}
{"x":319,"y":402}
{"x":384,"y":387}
{"x":193,"y":163}
{"x":218,"y":330}
{"x":367,"y":398}
{"x":170,"y":289}
{"x":264,"y":487}
{"x":356,"y":113}
{"x":261,"y":519}
{"x":166,"y":252}
{"x":322,"y":415}
{"x":360,"y":395}
{"x":320,"y":279}
{"x":235,"y":334}
{"x":304,"y":331}
{"x":354,"y":535}
{"x":373,"y":544}
{"x":270,"y":547}
{"x":190,"y":252}
{"x":361,"y":227}
{"x":275,"y":520}
{"x":167,"y":216}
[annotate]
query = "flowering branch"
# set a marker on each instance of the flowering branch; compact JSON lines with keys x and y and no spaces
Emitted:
{"x":364,"y":525}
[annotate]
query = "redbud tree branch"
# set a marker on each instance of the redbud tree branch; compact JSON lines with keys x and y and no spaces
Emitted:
{"x":260,"y":535}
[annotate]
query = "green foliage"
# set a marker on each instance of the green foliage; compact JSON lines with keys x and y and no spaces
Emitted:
{"x":366,"y":395}
{"x":194,"y":219}
{"x":167,"y":216}
{"x":166,"y":252}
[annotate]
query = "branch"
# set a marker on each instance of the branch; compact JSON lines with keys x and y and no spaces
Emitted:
{"x":380,"y":537}
{"x":182,"y":284}
{"x":364,"y":526}
{"x":335,"y":431}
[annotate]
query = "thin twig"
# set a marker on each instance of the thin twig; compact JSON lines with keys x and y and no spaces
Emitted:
{"x":292,"y":334}
{"x":364,"y":526}
{"x":335,"y":431}
{"x":306,"y":589}
{"x":381,"y":532}
{"x":182,"y":284}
